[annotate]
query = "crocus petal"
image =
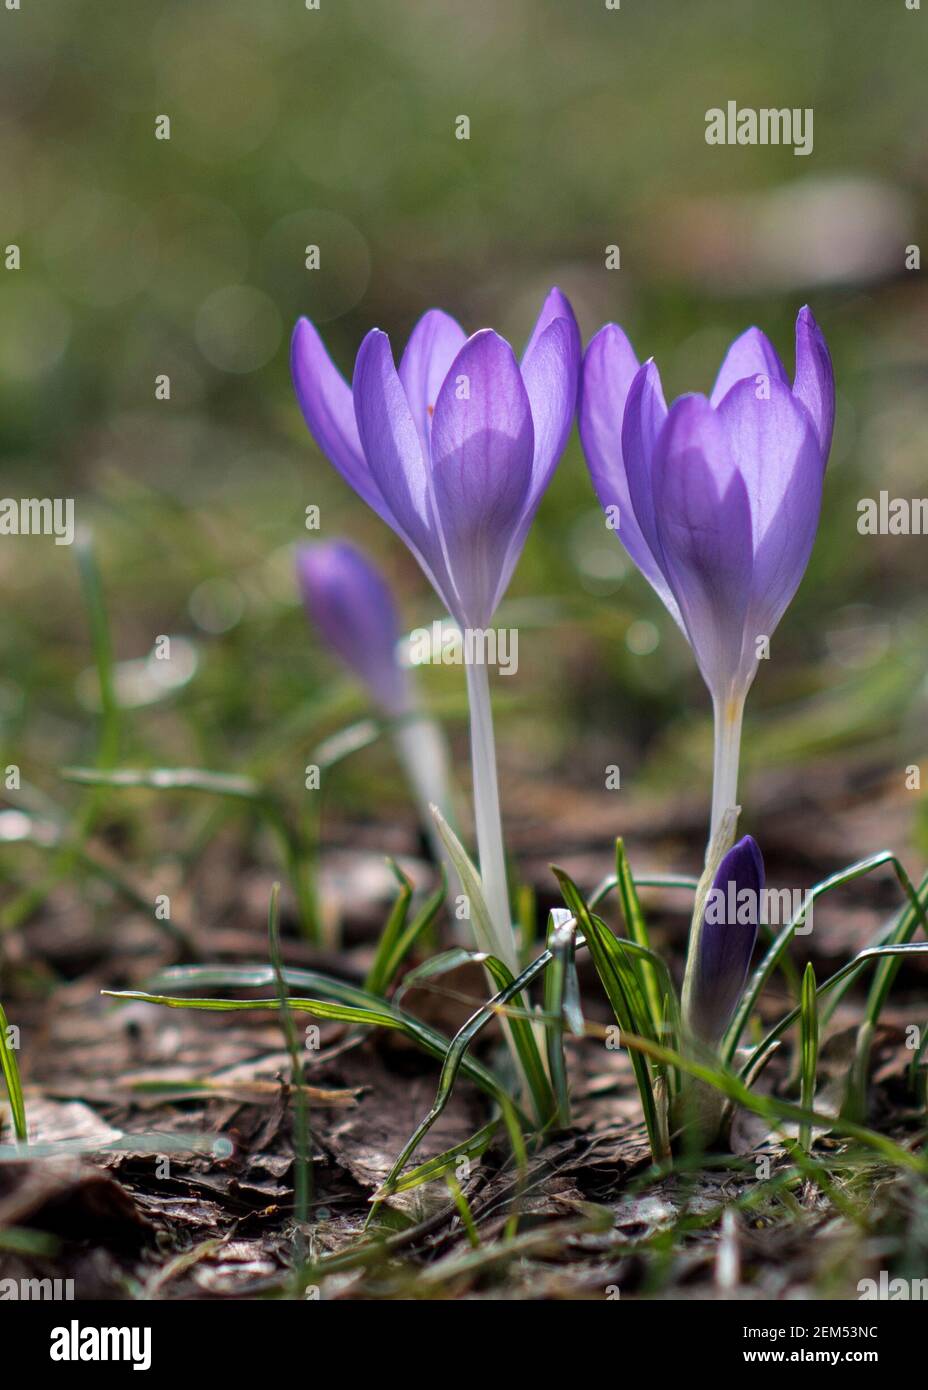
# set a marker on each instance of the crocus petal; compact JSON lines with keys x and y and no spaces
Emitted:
{"x":773,"y":443}
{"x":433,"y":345}
{"x":393,"y":451}
{"x":815,"y":378}
{"x":482,"y":452}
{"x":631,"y":485}
{"x":351,"y":605}
{"x":556,"y":306}
{"x":550,"y":375}
{"x":703,"y":519}
{"x":752,"y":355}
{"x":609,"y":368}
{"x":328,"y":409}
{"x":726,"y":941}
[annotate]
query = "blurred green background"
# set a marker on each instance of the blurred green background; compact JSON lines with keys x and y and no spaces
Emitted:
{"x":336,"y":127}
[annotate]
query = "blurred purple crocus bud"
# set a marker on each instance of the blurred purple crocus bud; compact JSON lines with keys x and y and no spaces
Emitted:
{"x":723,"y":948}
{"x":453,"y":449}
{"x":349,"y":602}
{"x":716,"y":499}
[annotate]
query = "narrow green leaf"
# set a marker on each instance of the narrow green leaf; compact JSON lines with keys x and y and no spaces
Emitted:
{"x":464,"y":1211}
{"x":520,"y":1034}
{"x":562,"y":931}
{"x":762,"y":1051}
{"x":436,"y":1167}
{"x":169,"y":779}
{"x":770,"y":960}
{"x":637,"y":930}
{"x":454,"y":1060}
{"x":778,"y":1111}
{"x":622,"y":990}
{"x":396,"y":944}
{"x":302,"y":1146}
{"x":808,"y":1022}
{"x":95,"y":602}
{"x":378,"y":977}
{"x":909,"y":922}
{"x":484,"y":929}
{"x":375,"y":1013}
{"x":14,"y":1085}
{"x":432,"y":969}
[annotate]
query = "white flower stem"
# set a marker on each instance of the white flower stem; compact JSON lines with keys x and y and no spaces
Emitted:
{"x":728,"y":712}
{"x":487,"y":814}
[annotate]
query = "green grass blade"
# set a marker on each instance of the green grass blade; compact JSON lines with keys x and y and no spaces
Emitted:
{"x":302,"y":1143}
{"x":85,"y":818}
{"x":771,"y":959}
{"x":561,"y":934}
{"x":484,"y":929}
{"x":376,"y":1013}
{"x":808,"y":1050}
{"x":398,"y":938}
{"x":436,"y":1167}
{"x":432,"y":969}
{"x":855,"y":1103}
{"x":14,"y":1085}
{"x":170,"y":779}
{"x":777,"y":1111}
{"x":527,"y":916}
{"x":637,"y":930}
{"x":522,"y":1033}
{"x":628,"y":1004}
{"x":761,"y":1052}
{"x":102,"y":644}
{"x":918,"y":1059}
{"x":455,"y":1059}
{"x":464,"y":1211}
{"x":377,"y":977}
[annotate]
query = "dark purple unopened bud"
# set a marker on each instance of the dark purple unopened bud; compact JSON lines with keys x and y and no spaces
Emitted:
{"x":729,"y":930}
{"x":349,"y":602}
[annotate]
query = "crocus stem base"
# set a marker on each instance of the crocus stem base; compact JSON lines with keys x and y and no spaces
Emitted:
{"x":728,"y":714}
{"x":487,"y":814}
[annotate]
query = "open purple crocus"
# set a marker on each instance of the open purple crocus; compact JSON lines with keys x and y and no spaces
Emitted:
{"x":716,"y":499}
{"x":454,"y":450}
{"x":725,"y":943}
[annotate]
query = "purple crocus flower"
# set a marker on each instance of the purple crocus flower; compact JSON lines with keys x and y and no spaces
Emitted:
{"x":349,"y":602}
{"x":717,"y":499}
{"x":455,"y":448}
{"x":723,"y":948}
